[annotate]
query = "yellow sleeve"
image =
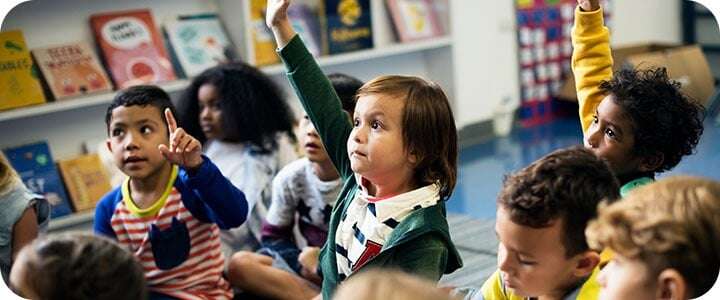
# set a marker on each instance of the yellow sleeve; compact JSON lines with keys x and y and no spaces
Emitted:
{"x":492,"y":289}
{"x":590,"y":290}
{"x":591,"y":61}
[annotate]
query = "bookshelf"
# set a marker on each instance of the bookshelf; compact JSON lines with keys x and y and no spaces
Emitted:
{"x":66,"y":124}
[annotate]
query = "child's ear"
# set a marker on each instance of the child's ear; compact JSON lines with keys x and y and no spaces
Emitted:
{"x":652,"y":162}
{"x":586,"y":263}
{"x":108,"y":144}
{"x":672,"y":285}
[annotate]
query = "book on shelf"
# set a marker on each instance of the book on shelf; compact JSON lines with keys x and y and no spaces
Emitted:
{"x":132,"y":47}
{"x":198,"y":42}
{"x":37,"y":170}
{"x":415,"y":19}
{"x":19,"y":80}
{"x":348,"y":25}
{"x":262,"y":41}
{"x":306,"y":23}
{"x":85,"y":179}
{"x":71,"y":70}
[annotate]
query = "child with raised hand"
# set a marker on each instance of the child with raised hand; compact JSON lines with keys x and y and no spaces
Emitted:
{"x":397,"y":159}
{"x":637,"y":120}
{"x":245,"y":125}
{"x":170,"y":209}
{"x":304,"y":193}
{"x":542,"y":213}
{"x":77,"y":266}
{"x":22,"y":215}
{"x":666,"y":240}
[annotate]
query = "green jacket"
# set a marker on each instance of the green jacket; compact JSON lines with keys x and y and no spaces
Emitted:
{"x":421,"y":243}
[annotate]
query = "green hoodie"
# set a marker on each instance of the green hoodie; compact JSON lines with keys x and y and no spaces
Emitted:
{"x":421,"y":243}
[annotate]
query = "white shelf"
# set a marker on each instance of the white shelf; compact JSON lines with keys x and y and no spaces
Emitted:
{"x":177,"y":85}
{"x":71,"y":220}
{"x":76,"y":103}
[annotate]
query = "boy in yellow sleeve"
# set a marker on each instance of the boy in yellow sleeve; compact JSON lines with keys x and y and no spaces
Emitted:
{"x":637,"y":120}
{"x":541,"y":217}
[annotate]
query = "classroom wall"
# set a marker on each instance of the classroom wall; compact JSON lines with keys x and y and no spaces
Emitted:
{"x":485,"y":47}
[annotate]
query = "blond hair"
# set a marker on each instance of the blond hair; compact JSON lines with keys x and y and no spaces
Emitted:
{"x":428,"y":127}
{"x":672,"y":223}
{"x":389,"y":284}
{"x":8,"y":177}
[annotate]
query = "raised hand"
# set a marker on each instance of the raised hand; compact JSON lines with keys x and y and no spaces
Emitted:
{"x":184,"y":150}
{"x":276,"y":18}
{"x":589,"y":5}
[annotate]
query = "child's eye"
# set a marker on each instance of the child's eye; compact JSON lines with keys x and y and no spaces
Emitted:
{"x":375,"y":125}
{"x":306,"y":117}
{"x":595,"y":119}
{"x":145,"y":130}
{"x":356,"y":122}
{"x":610,"y":133}
{"x":116,"y":132}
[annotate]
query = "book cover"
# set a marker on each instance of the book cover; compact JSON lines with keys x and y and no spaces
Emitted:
{"x":306,"y":23}
{"x":85,"y":179}
{"x":349,"y":25}
{"x":35,"y":166}
{"x":263,"y":43}
{"x":19,"y":81}
{"x":132,"y":47}
{"x":198,"y":42}
{"x":71,"y":70}
{"x":414,"y":19}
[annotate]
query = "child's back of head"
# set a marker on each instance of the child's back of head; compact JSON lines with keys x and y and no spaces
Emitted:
{"x":672,"y":224}
{"x":78,"y":266}
{"x":389,"y":284}
{"x":346,"y":88}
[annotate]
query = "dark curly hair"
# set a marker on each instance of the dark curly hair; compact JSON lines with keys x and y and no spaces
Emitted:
{"x":346,"y":88}
{"x":141,"y":95}
{"x":82,"y":266}
{"x":665,"y":121}
{"x":567,"y":184}
{"x":253,"y":107}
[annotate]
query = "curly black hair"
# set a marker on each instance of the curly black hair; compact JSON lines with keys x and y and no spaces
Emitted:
{"x":346,"y":88}
{"x":665,"y":120}
{"x":566,"y":184}
{"x":254,"y":108}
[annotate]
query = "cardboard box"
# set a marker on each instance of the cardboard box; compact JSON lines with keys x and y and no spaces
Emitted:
{"x":686,"y":64}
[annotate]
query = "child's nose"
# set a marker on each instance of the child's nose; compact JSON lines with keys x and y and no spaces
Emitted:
{"x":131,"y":142}
{"x":592,"y":139}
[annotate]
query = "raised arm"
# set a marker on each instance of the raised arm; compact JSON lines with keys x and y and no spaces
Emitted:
{"x":591,"y":59}
{"x":312,"y":87}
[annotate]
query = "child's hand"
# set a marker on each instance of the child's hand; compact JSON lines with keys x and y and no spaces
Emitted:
{"x":276,"y":18}
{"x":308,"y":259}
{"x":184,"y":150}
{"x":589,"y":5}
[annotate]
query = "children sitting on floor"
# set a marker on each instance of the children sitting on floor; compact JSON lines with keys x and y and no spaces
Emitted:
{"x":170,"y":209}
{"x":541,"y":217}
{"x":665,"y":237}
{"x":638,"y":120}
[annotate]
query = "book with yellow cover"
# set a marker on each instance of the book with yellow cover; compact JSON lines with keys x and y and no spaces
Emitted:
{"x":263,"y":43}
{"x":85,"y":180}
{"x":19,"y":83}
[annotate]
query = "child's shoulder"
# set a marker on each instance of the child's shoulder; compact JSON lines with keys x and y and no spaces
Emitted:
{"x":294,"y":170}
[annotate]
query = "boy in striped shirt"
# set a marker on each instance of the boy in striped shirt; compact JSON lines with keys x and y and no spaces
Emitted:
{"x":170,"y":209}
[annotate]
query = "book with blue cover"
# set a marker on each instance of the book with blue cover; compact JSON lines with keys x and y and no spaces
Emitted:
{"x":349,"y":25}
{"x":198,"y":42}
{"x":37,"y":169}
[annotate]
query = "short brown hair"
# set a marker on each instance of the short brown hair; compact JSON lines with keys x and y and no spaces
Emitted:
{"x":428,"y":127}
{"x":564,"y":185}
{"x":82,"y":266}
{"x":672,"y":223}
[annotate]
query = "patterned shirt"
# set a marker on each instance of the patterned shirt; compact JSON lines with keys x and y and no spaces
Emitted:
{"x":370,"y":220}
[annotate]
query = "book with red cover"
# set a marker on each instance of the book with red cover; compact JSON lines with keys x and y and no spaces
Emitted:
{"x":72,"y":70}
{"x":132,"y":47}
